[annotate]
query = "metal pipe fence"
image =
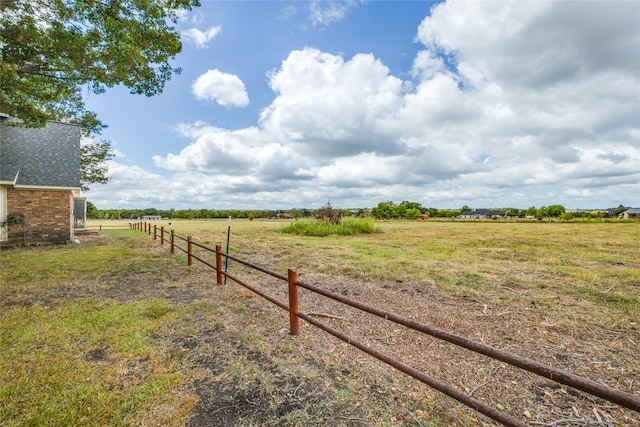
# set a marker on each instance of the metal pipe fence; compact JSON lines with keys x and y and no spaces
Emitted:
{"x":619,"y":397}
{"x":101,"y":227}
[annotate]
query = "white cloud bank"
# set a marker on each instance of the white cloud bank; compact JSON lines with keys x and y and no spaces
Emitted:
{"x":510,"y":104}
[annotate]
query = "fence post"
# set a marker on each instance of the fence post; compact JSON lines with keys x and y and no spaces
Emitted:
{"x":219,"y":264}
{"x":100,"y":227}
{"x":149,"y":230}
{"x":155,"y":232}
{"x":145,"y":227}
{"x":189,"y":251}
{"x":173,"y":244}
{"x":162,"y":235}
{"x":294,"y":320}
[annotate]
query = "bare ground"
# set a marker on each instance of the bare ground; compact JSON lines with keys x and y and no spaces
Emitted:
{"x":247,"y":370}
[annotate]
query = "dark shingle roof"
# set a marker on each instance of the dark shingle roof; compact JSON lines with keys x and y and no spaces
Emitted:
{"x":487,"y":212}
{"x":48,"y":156}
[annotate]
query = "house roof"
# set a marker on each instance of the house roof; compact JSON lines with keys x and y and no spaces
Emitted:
{"x":42,"y":157}
{"x":482,"y":212}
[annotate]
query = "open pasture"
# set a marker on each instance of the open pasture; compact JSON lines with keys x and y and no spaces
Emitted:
{"x":580,"y":273}
{"x":564,"y":294}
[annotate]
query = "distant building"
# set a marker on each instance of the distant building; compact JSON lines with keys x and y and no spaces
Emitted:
{"x":481,"y":214}
{"x":631,"y":213}
{"x":152,"y":217}
{"x":611,"y":212}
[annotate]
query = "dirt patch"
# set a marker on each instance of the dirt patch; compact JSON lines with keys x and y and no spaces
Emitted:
{"x":256,"y":389}
{"x":98,"y":354}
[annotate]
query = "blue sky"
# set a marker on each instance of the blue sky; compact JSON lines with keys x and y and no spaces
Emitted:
{"x":294,"y":104}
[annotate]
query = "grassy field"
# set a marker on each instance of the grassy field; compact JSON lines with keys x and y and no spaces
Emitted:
{"x":591,"y":269}
{"x":113,"y":331}
{"x":70,"y":355}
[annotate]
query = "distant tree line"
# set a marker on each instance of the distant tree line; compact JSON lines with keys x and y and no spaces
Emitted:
{"x":411,"y":210}
{"x":95,"y":213}
{"x":384,"y":210}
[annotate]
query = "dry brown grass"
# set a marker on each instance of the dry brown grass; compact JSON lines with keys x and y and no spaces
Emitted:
{"x":583,"y":272}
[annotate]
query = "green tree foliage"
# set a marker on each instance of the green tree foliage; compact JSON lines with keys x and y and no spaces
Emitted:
{"x":92,"y":211}
{"x":412,"y":205}
{"x":446,"y":213}
{"x":52,"y":49}
{"x":413,"y":213}
{"x":554,"y":211}
{"x":433,"y":212}
{"x":384,"y":210}
{"x":93,"y":169}
{"x":407,"y":209}
{"x":513,"y":212}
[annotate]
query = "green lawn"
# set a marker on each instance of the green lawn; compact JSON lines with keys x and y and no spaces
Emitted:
{"x":72,"y":355}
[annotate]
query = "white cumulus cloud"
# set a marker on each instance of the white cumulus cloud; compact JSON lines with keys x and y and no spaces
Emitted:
{"x":200,"y":38}
{"x":328,"y":107}
{"x":225,"y":89}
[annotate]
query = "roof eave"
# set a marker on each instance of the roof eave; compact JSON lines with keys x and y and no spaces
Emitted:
{"x":45,"y":187}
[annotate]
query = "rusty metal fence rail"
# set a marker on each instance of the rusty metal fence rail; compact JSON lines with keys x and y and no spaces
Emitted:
{"x":101,"y":227}
{"x":624,"y":399}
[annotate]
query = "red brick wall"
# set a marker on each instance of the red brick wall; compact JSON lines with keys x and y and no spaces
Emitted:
{"x":48,"y":216}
